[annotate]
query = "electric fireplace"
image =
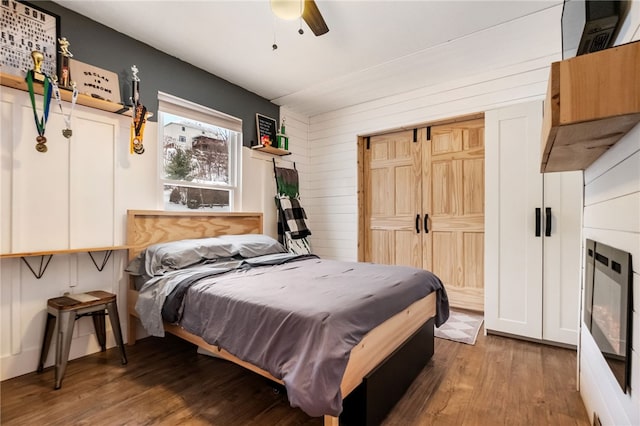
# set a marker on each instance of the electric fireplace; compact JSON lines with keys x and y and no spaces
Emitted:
{"x":608,"y":305}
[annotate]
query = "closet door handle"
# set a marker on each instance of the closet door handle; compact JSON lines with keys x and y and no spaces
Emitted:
{"x":538,"y":221}
{"x":417,"y":223}
{"x":426,"y":225}
{"x":547,"y":230}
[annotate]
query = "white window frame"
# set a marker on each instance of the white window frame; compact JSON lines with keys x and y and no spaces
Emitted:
{"x":169,"y":104}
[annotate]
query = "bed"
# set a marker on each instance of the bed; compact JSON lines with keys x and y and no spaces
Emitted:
{"x":371,"y":351}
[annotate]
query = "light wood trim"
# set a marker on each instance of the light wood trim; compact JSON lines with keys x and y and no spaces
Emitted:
{"x":423,"y":124}
{"x":551,"y":112}
{"x":63,"y":251}
{"x":270,"y":150}
{"x":592,"y":101}
{"x":331,"y":421}
{"x":146,"y":227}
{"x":19,"y":83}
{"x":380,"y":342}
{"x":362,"y":223}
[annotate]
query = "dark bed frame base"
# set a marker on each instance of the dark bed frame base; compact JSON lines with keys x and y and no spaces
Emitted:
{"x":383,"y":387}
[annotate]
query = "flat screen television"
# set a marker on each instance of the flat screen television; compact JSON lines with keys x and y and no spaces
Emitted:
{"x":608,"y":305}
{"x":589,"y":25}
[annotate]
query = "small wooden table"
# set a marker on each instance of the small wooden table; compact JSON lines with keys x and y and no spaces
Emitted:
{"x":67,"y":309}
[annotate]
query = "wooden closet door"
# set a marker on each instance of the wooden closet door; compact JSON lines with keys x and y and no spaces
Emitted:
{"x":453,"y":197}
{"x":392,"y":174}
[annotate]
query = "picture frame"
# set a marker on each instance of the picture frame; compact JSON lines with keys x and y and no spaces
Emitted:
{"x":27,"y":27}
{"x":267,"y":130}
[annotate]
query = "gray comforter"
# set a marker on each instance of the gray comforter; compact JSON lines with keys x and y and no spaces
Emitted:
{"x":297,"y":318}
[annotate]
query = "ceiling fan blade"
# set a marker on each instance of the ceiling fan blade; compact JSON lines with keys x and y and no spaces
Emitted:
{"x":313,"y":18}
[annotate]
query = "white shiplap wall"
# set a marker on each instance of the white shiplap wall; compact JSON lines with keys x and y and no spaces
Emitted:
{"x":332,"y":176}
{"x":612,"y":217}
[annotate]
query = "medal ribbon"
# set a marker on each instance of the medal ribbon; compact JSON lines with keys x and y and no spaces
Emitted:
{"x":137,"y":127}
{"x":74,"y":98}
{"x":46,"y":102}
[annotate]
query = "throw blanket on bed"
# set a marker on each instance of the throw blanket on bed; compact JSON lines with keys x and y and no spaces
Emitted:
{"x":296,"y":317}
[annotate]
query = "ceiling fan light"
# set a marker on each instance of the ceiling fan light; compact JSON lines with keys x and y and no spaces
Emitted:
{"x":287,"y":9}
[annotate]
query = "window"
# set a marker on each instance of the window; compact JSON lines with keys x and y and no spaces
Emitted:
{"x":199,"y":156}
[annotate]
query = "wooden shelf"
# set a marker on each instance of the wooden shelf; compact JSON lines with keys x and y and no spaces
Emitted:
{"x":38,"y":271}
{"x":86,"y":100}
{"x":270,"y":150}
{"x":592,"y":101}
{"x":63,"y":251}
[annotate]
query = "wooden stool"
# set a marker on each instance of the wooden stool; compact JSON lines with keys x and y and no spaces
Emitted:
{"x":67,"y":309}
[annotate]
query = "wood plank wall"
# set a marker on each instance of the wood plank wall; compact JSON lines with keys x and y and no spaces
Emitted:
{"x":612,"y":216}
{"x":333,"y":172}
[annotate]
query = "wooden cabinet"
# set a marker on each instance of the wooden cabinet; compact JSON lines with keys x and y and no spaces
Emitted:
{"x":592,"y":101}
{"x":424,"y":204}
{"x":533,"y":233}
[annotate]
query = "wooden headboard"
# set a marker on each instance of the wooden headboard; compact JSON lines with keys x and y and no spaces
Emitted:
{"x":146,"y":227}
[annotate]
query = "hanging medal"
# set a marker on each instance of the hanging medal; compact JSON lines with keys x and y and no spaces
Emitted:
{"x":139,"y":116}
{"x":137,"y":129}
{"x":66,"y":132}
{"x":41,"y":123}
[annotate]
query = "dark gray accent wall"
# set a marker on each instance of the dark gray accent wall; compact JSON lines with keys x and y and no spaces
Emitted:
{"x":103,"y":47}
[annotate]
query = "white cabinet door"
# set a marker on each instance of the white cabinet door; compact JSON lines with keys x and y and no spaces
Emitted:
{"x":562,"y":257}
{"x":513,"y":254}
{"x":532,"y":280}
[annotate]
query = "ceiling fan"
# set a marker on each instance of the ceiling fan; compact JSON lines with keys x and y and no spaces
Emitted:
{"x":307,"y":9}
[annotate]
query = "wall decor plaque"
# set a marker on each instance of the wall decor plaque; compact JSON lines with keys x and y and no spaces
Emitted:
{"x":266,"y":130}
{"x":94,"y":81}
{"x":27,"y":28}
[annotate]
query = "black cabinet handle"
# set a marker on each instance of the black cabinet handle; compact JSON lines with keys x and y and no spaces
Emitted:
{"x":426,"y":225}
{"x":417,"y":224}
{"x":547,"y":230}
{"x":538,"y":221}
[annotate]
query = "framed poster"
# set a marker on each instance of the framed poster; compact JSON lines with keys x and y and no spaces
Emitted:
{"x":25,"y":28}
{"x":266,"y":130}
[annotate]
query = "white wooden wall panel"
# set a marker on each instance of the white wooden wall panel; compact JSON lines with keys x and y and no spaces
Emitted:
{"x":339,"y":129}
{"x":74,"y":195}
{"x":40,"y":200}
{"x":6,"y":164}
{"x":91,"y":181}
{"x":612,"y":216}
{"x":136,"y":179}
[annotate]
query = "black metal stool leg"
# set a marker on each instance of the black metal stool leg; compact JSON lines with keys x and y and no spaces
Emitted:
{"x":101,"y":329}
{"x":112,"y":308}
{"x":66,"y":320}
{"x":49,"y":326}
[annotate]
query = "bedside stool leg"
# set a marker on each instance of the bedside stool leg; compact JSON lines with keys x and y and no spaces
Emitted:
{"x":66,"y":321}
{"x":101,"y":330}
{"x":49,"y":327}
{"x":112,"y":308}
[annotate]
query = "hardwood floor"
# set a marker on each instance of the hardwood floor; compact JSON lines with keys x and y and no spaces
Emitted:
{"x":499,"y":381}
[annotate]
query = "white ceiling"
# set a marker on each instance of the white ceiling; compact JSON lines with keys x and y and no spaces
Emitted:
{"x":374,"y":49}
